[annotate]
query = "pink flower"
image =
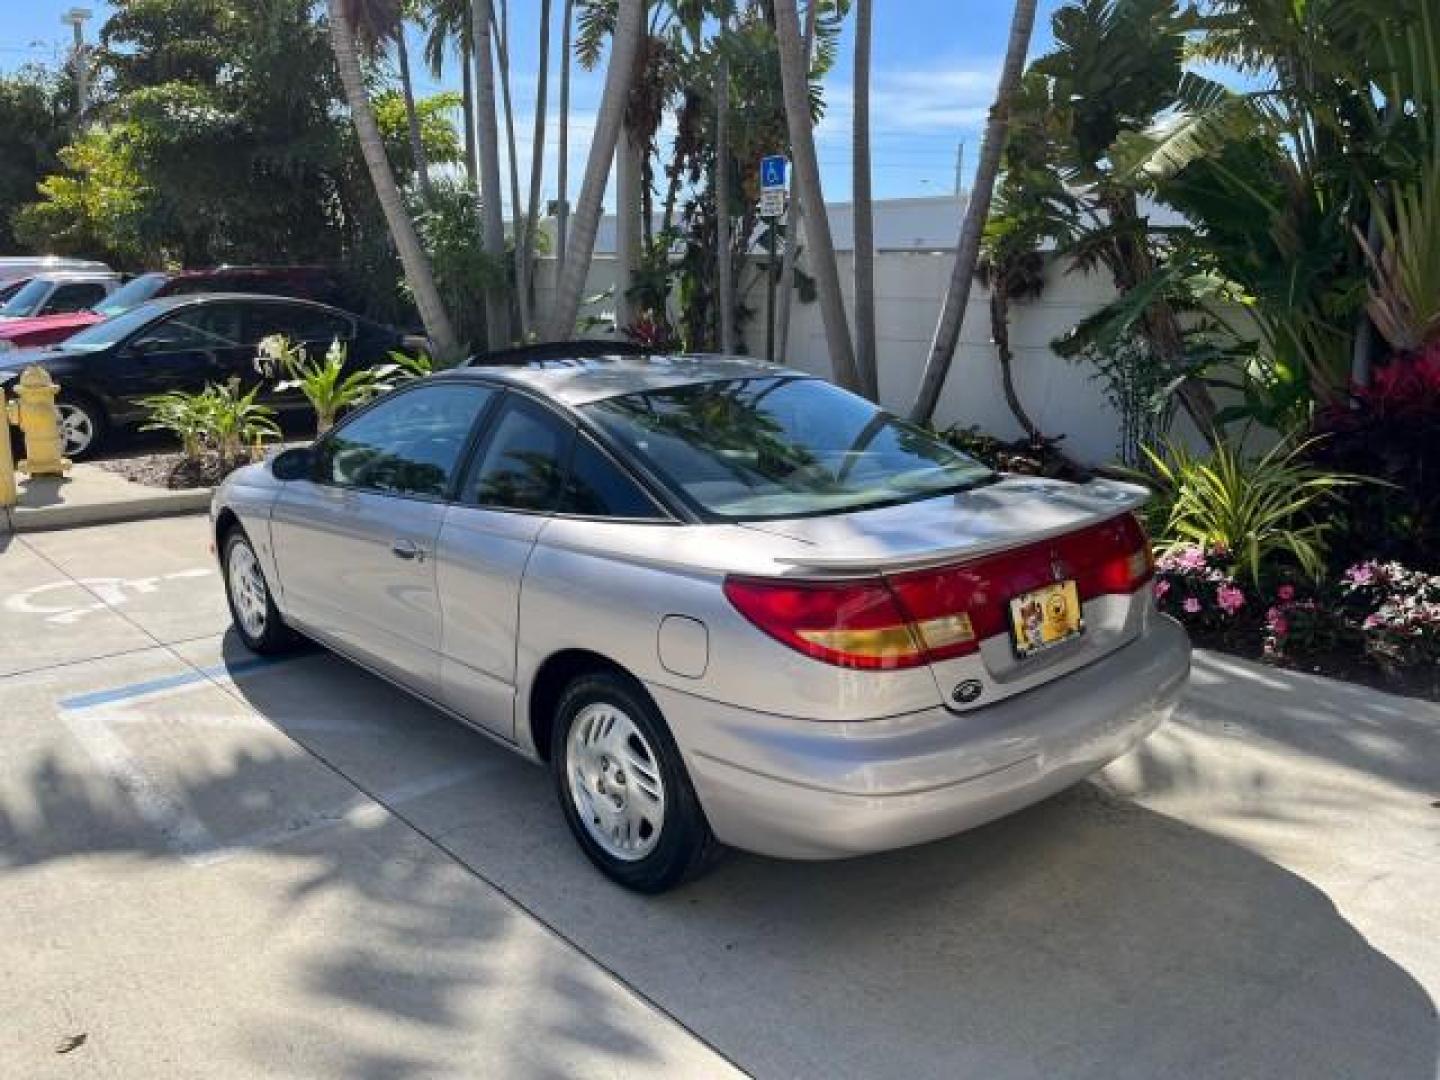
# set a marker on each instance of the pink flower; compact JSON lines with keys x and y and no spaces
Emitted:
{"x":1230,"y":599}
{"x":1191,"y":558}
{"x":1191,"y":605}
{"x":1286,"y":592}
{"x":1161,"y":588}
{"x":1364,"y":574}
{"x":1280,"y":626}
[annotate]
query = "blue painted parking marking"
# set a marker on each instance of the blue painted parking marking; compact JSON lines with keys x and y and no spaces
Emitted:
{"x":169,"y":682}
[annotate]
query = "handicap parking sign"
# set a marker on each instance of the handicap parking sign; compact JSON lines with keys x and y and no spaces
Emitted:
{"x":772,"y":172}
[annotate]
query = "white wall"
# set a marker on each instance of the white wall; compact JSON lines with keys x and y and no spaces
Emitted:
{"x":1062,"y":396}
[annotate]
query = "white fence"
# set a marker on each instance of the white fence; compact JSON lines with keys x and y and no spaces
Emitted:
{"x":1063,"y":397}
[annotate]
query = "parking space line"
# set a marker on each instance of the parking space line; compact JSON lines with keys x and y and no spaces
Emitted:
{"x":171,"y":682}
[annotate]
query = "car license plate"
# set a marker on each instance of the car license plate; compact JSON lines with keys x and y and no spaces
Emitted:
{"x":1043,"y":618}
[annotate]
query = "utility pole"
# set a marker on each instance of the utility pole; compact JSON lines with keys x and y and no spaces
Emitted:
{"x":77,"y":17}
{"x":959,"y":167}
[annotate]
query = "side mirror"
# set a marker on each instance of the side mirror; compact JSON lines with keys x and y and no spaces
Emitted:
{"x":297,"y":463}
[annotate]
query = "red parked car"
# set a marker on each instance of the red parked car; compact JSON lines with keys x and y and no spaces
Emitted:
{"x":300,"y":282}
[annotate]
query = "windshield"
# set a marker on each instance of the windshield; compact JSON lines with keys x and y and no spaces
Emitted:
{"x":102,"y":335}
{"x":782,"y":447}
{"x":31,"y":295}
{"x":133,"y":292}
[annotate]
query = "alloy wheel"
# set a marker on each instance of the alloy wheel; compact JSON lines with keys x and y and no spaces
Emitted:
{"x":77,"y":428}
{"x":614,"y":780}
{"x":247,"y":590}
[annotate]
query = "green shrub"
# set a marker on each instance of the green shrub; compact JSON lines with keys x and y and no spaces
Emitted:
{"x":1262,"y":512}
{"x":219,"y":419}
{"x":324,"y":383}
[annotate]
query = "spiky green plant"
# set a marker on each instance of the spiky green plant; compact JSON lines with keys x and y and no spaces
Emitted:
{"x":236,"y":421}
{"x":1259,"y":510}
{"x":184,"y":415}
{"x":324,"y":383}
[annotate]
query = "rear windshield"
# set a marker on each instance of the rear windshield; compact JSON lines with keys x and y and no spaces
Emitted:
{"x":131,"y":294}
{"x":24,"y":302}
{"x":782,"y":447}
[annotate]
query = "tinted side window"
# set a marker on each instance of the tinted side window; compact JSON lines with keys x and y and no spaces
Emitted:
{"x":408,"y":445}
{"x":210,"y":326}
{"x":597,"y":487}
{"x":314,"y":326}
{"x":523,"y":463}
{"x":76,"y":296}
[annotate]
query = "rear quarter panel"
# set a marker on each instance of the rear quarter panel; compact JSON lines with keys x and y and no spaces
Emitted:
{"x":605,"y":587}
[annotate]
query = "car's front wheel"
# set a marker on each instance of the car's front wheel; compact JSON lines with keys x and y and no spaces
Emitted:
{"x":623,"y":786}
{"x":252,"y":608}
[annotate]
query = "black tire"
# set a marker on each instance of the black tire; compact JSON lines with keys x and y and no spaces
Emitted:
{"x":274,"y":636}
{"x":96,"y":422}
{"x":685,"y":844}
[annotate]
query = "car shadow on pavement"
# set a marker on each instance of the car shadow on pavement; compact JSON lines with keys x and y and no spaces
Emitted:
{"x":1085,"y":937}
{"x":1088,"y":936}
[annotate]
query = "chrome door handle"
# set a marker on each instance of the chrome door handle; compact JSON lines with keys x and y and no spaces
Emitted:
{"x":407,"y":549}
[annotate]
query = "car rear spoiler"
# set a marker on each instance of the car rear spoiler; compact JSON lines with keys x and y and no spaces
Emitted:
{"x":1075,"y":506}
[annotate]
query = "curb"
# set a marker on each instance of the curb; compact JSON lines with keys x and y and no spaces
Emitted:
{"x":160,"y":503}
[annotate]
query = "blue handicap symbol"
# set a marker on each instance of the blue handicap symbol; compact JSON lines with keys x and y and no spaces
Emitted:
{"x":772,"y":172}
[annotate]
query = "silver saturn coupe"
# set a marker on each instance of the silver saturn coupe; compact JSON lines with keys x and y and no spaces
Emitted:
{"x":725,"y":602}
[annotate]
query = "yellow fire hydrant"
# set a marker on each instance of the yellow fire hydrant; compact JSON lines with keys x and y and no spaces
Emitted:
{"x":35,"y":414}
{"x":8,"y":493}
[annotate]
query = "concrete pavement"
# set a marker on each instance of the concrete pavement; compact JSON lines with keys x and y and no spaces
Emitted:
{"x":213,"y":866}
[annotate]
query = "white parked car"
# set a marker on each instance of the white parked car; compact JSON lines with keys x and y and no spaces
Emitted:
{"x":26,"y":266}
{"x":59,"y":292}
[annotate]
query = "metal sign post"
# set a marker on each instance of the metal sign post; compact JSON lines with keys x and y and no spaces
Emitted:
{"x":772,"y":207}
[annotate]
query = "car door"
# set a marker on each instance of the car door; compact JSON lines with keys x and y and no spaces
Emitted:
{"x":194,"y":345}
{"x":485,"y":540}
{"x":355,"y":544}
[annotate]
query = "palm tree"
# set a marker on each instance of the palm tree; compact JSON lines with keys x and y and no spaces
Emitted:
{"x":795,"y":78}
{"x":517,"y":209}
{"x":957,"y":295}
{"x":722,"y":188}
{"x":864,"y":211}
{"x":412,"y":116}
{"x":792,"y":217}
{"x":418,"y":273}
{"x":492,"y":224}
{"x":624,"y":52}
{"x":562,"y":166}
{"x":525,"y":246}
{"x":449,"y":21}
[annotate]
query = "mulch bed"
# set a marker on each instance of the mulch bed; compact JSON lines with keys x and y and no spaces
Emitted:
{"x":173,"y":470}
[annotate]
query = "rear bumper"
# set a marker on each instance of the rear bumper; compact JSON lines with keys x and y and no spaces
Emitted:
{"x":816,"y":790}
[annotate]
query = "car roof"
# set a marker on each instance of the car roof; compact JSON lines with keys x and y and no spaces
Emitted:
{"x":164,"y":303}
{"x":76,"y":275}
{"x":582,"y":380}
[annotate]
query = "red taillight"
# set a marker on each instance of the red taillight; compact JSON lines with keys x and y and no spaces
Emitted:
{"x":852,"y":624}
{"x":908,"y":619}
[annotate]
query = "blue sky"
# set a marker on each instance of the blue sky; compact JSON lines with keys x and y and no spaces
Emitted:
{"x":934,"y":68}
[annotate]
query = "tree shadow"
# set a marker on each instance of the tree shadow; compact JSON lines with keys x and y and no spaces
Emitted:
{"x":1086,"y":937}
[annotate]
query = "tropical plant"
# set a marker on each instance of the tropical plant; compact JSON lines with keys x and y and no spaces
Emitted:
{"x":219,"y":419}
{"x":580,"y":245}
{"x":1135,"y":384}
{"x":977,"y":209}
{"x":235,"y":421}
{"x":418,"y":273}
{"x":184,"y":415}
{"x":325,"y":383}
{"x":1404,"y":298}
{"x":799,"y":115}
{"x":1262,"y":513}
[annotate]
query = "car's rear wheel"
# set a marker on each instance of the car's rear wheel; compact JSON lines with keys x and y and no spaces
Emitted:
{"x":82,"y":426}
{"x":252,"y":608}
{"x":623,"y":786}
